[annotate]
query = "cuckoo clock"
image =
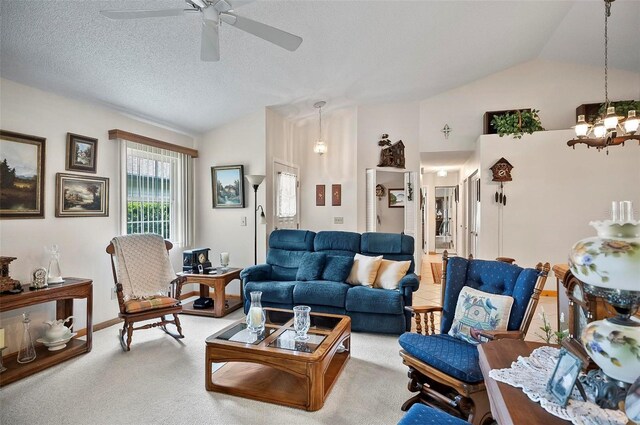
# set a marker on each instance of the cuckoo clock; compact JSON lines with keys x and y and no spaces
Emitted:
{"x":501,"y":171}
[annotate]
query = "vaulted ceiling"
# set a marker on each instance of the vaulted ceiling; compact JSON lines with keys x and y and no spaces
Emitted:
{"x":354,"y":52}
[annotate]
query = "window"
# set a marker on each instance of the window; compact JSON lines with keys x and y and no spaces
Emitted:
{"x":286,"y":197}
{"x":158,"y":183}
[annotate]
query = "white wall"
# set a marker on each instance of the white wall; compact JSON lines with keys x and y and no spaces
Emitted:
{"x":241,"y":142}
{"x":554,"y":194}
{"x":555,"y":88}
{"x":82,"y":241}
{"x":391,"y":220}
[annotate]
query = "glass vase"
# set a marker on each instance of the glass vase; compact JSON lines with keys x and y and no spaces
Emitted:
{"x":27,"y":352}
{"x":255,"y":316}
{"x":301,"y":322}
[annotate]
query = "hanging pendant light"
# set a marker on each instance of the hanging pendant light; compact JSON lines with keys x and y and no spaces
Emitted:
{"x":608,"y":130}
{"x":320,"y":146}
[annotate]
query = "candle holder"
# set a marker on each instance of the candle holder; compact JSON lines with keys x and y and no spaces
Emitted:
{"x":2,"y":368}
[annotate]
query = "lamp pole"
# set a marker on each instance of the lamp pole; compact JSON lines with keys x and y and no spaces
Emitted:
{"x":255,"y":180}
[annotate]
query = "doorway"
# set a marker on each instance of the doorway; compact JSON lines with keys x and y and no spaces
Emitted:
{"x":446,"y":218}
{"x":286,"y":193}
{"x":473,"y":213}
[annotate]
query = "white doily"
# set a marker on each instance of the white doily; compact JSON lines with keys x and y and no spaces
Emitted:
{"x":532,"y":374}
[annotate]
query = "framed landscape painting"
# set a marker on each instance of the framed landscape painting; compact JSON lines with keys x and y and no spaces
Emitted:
{"x":21,"y":175}
{"x":228,"y":186}
{"x":82,"y":153}
{"x":396,"y":198}
{"x":81,"y":196}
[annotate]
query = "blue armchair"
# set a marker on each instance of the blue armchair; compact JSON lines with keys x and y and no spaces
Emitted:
{"x":443,"y":369}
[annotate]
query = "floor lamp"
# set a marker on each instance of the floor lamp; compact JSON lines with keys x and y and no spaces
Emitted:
{"x":255,"y":180}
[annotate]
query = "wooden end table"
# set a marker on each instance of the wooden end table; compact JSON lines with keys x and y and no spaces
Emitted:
{"x":275,"y":368}
{"x":63,"y":294}
{"x":222,"y":304}
{"x":509,"y":405}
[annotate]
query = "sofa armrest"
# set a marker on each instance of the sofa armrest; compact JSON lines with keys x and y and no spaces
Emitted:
{"x":256,"y":273}
{"x":409,"y":283}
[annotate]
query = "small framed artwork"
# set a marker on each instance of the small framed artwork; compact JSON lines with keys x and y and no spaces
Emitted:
{"x":396,"y":198}
{"x":320,"y":198}
{"x":336,"y":195}
{"x":81,"y":196}
{"x":564,"y":377}
{"x":21,"y":175}
{"x":82,"y":153}
{"x":227,"y":185}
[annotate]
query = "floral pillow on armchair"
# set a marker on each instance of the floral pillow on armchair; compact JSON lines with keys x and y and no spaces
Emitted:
{"x":478,"y":311}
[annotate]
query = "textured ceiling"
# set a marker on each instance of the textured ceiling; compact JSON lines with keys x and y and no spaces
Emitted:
{"x":354,"y":52}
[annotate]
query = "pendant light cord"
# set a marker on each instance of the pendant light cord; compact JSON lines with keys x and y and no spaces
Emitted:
{"x":607,"y":13}
{"x":320,"y":126}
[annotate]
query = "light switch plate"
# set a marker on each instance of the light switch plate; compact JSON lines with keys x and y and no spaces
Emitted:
{"x":243,"y":221}
{"x":338,"y":220}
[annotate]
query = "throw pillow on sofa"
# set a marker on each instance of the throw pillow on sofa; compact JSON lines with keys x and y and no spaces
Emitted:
{"x":364,"y":270}
{"x":337,"y":268}
{"x":390,"y":273}
{"x":478,"y":311}
{"x":311,"y":266}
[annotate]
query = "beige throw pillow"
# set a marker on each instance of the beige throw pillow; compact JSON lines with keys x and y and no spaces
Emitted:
{"x":364,"y":270}
{"x":478,"y":311}
{"x":390,"y":273}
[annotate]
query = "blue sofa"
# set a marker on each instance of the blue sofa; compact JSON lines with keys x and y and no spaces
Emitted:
{"x":371,"y":309}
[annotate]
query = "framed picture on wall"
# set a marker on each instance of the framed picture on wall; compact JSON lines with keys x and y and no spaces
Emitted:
{"x":21,"y":175}
{"x":82,"y":153}
{"x":227,"y":184}
{"x":396,"y":198}
{"x":81,"y":196}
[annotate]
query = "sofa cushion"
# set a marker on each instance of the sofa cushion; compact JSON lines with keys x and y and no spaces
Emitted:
{"x":320,"y":292}
{"x":419,"y":414}
{"x":337,"y":268}
{"x":272,"y":291}
{"x":286,"y":249}
{"x":393,"y":246}
{"x":311,"y":266}
{"x":445,"y":353}
{"x":372,"y":300}
{"x":364,"y":270}
{"x":337,"y":243}
{"x":390,"y":273}
{"x":292,"y":240}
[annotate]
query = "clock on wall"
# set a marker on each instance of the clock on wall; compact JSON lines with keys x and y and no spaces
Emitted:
{"x":195,"y":259}
{"x":501,"y":171}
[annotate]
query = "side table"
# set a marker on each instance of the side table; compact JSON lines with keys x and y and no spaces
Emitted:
{"x":509,"y":405}
{"x":222,"y":304}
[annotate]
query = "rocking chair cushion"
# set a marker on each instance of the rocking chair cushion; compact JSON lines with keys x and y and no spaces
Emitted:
{"x":448,"y":354}
{"x":419,"y":414}
{"x":136,"y":306}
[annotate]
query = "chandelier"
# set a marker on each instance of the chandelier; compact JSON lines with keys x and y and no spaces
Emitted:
{"x":610,"y":130}
{"x":320,"y":146}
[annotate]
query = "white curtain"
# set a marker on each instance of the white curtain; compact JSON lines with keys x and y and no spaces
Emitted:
{"x":286,"y":198}
{"x":157,"y":188}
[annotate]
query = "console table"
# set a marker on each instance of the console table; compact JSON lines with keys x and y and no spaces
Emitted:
{"x":509,"y":405}
{"x":222,"y":304}
{"x":63,"y":294}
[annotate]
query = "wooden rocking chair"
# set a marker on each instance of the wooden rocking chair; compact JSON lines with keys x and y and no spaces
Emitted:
{"x":444,"y":370}
{"x":151,"y":307}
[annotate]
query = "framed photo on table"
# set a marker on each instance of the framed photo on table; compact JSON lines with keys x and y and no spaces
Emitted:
{"x":81,"y":196}
{"x":227,"y":184}
{"x":82,"y":153}
{"x":564,"y":377}
{"x":21,"y":175}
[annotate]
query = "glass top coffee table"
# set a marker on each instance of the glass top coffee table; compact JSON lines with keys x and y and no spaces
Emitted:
{"x":272,"y":366}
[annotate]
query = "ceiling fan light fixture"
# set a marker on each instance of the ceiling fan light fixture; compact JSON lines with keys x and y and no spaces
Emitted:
{"x":611,"y":119}
{"x":631,"y":123}
{"x":200,"y":3}
{"x":599,"y":130}
{"x":582,"y":127}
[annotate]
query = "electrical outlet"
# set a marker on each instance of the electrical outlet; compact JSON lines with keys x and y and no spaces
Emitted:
{"x":338,"y":220}
{"x":243,"y":221}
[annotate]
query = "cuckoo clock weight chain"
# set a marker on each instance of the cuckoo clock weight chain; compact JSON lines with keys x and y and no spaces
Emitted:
{"x":501,"y":173}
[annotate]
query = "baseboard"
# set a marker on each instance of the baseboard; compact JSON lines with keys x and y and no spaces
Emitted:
{"x":549,"y":293}
{"x":100,"y":326}
{"x":433,"y":253}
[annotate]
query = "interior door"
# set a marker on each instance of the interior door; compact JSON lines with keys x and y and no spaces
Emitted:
{"x":372,"y":213}
{"x":287,"y":196}
{"x":473,"y":216}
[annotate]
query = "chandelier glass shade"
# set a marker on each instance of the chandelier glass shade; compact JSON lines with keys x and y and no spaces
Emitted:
{"x":320,"y":147}
{"x":611,"y":129}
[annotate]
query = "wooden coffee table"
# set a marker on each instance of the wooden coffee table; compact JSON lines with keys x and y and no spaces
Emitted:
{"x":275,"y":368}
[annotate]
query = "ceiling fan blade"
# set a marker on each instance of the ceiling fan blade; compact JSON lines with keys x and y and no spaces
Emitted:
{"x":210,"y":42}
{"x":136,"y":14}
{"x":266,"y":32}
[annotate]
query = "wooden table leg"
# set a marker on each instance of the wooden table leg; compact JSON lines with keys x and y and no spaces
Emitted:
{"x":204,"y":291}
{"x":219,"y":300}
{"x":89,"y":318}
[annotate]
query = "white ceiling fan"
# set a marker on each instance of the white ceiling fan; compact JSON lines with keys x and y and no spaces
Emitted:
{"x":213,"y":13}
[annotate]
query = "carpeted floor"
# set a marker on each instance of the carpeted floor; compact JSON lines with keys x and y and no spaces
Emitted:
{"x":161,"y":381}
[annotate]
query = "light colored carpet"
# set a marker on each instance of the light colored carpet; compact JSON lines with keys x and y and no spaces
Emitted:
{"x":436,"y":272}
{"x":161,"y":380}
